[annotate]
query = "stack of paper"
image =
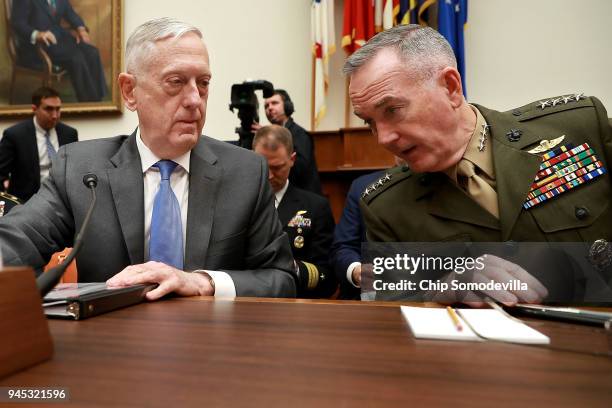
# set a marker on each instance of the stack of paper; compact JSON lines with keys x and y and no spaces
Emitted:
{"x":435,"y":323}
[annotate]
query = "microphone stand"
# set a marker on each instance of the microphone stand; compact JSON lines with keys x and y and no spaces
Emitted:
{"x":49,"y":279}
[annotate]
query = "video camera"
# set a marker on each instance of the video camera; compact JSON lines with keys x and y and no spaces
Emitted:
{"x":245,"y":100}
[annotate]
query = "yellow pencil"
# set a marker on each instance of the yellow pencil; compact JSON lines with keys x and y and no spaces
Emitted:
{"x":454,"y":318}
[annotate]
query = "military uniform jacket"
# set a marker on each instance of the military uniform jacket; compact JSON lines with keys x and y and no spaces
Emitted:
{"x":408,"y":207}
{"x":308,"y":221}
{"x":430,"y":207}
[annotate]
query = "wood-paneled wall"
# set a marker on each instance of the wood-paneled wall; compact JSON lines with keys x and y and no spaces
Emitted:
{"x":343,"y":155}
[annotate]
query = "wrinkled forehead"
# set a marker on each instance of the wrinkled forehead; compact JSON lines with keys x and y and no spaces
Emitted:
{"x":168,"y":50}
{"x":376,"y":79}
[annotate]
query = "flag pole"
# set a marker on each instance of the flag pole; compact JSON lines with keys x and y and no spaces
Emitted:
{"x":312,"y":94}
{"x":347,"y":104}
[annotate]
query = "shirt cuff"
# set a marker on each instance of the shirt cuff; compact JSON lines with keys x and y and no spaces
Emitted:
{"x":33,"y":37}
{"x":349,"y":273}
{"x":224,"y":284}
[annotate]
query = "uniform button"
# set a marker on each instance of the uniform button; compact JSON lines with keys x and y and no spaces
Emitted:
{"x":517,"y":112}
{"x":581,"y":213}
{"x":424,"y":180}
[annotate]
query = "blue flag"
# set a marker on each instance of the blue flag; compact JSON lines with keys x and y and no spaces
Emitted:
{"x":452,"y":17}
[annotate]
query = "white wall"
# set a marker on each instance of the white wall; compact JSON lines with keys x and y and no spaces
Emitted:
{"x":517,"y":51}
{"x":522,"y":50}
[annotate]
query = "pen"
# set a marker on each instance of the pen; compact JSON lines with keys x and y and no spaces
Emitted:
{"x":454,"y":318}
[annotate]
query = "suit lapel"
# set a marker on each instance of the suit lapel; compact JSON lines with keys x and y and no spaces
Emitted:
{"x":44,"y":5}
{"x":515,"y":168}
{"x":62,"y":139}
{"x":449,"y":201}
{"x":126,"y":183}
{"x":286,"y":208}
{"x":204,"y":182}
{"x":31,"y":144}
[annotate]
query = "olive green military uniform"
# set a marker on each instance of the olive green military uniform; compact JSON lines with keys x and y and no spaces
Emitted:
{"x":430,"y":207}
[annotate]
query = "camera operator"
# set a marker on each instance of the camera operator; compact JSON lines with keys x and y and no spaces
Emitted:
{"x":304,"y":174}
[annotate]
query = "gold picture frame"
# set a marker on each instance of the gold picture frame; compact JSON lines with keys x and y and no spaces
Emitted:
{"x":104,"y":22}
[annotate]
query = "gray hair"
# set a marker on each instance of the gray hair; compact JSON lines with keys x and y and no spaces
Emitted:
{"x":142,"y":41}
{"x":423,"y":47}
{"x":272,"y":137}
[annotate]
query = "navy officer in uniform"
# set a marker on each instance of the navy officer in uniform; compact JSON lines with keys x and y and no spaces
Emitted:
{"x":305,"y":216}
{"x":538,"y":173}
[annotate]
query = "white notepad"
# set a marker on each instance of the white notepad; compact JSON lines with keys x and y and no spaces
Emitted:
{"x":435,"y":323}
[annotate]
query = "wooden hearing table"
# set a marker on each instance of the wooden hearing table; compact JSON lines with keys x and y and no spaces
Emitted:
{"x":294,"y":353}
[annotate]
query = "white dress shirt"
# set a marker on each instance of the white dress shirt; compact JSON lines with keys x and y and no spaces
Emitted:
{"x":179,"y":182}
{"x":278,"y":196}
{"x":43,"y":154}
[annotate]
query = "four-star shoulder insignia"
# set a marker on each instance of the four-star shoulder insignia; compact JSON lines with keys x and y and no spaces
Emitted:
{"x":375,"y":185}
{"x":561,"y":100}
{"x":390,"y":177}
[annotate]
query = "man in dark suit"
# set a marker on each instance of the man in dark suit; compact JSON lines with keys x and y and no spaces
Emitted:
{"x":279,"y":108}
{"x":306,"y":217}
{"x":350,"y":232}
{"x":188,"y":212}
{"x":537,"y":173}
{"x":38,"y":22}
{"x":26,"y":149}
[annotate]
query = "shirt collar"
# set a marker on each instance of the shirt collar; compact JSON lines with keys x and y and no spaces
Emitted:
{"x":482,"y":159}
{"x":281,"y":193}
{"x":39,"y":128}
{"x":148,"y":158}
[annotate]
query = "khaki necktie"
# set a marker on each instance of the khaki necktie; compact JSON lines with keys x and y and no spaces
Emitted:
{"x":477,"y":187}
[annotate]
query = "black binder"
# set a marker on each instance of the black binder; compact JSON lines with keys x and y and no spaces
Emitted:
{"x":79,"y":301}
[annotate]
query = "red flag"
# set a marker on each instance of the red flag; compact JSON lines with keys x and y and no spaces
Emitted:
{"x":323,"y":45}
{"x":358,"y":24}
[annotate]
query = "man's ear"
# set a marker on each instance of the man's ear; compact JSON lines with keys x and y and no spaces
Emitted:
{"x":450,"y":79}
{"x":293,"y":157}
{"x":127,"y":85}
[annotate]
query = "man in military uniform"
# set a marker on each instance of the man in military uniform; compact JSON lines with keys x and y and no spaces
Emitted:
{"x":537,"y":173}
{"x":306,"y":217}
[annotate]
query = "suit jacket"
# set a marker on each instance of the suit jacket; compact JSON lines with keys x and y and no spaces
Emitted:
{"x":19,"y":160}
{"x":350,"y":232}
{"x":243,"y":239}
{"x":304,"y":173}
{"x":429,"y":207}
{"x":30,"y":15}
{"x":310,"y":243}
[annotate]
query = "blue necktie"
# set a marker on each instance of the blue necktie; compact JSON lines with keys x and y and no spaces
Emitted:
{"x":166,"y":241}
{"x":50,"y":149}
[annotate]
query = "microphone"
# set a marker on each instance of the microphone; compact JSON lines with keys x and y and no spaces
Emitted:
{"x":49,"y":279}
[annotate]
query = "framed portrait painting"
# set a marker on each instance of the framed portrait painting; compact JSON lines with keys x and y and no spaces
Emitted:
{"x":73,"y":46}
